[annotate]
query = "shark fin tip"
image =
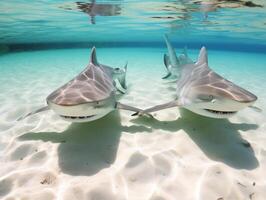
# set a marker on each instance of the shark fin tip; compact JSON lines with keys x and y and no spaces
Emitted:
{"x":135,"y":114}
{"x":93,"y":57}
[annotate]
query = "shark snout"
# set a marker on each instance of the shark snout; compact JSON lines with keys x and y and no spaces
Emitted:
{"x":249,"y":100}
{"x":222,"y":99}
{"x":242,"y":96}
{"x":233,"y":92}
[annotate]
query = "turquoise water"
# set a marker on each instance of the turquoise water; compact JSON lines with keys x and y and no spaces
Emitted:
{"x":45,"y":43}
{"x":188,"y":21}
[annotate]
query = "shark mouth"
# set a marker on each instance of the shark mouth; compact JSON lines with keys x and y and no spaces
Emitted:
{"x":77,"y":117}
{"x":221,"y":112}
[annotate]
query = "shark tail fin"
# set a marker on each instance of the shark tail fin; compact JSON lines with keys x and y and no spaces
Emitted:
{"x":34,"y":112}
{"x":123,"y":81}
{"x":119,"y":86}
{"x":167,"y":66}
{"x":120,"y":82}
{"x":166,"y":61}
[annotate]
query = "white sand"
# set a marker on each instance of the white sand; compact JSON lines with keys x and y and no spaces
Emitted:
{"x":178,"y":155}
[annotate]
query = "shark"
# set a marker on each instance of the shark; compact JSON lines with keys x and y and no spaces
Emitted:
{"x":203,"y":91}
{"x":173,"y":62}
{"x":90,"y":95}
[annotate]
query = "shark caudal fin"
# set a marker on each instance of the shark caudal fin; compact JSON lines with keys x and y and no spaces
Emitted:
{"x":119,"y":87}
{"x":171,"y":52}
{"x":34,"y":112}
{"x":166,"y":62}
{"x":172,"y":62}
{"x":119,"y":77}
{"x":122,"y":80}
{"x":167,"y":66}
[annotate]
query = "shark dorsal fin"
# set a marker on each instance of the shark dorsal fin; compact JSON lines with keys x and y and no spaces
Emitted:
{"x":93,"y":57}
{"x":203,"y":56}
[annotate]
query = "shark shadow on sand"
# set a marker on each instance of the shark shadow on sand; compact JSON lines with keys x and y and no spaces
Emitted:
{"x":87,"y":148}
{"x":219,"y":139}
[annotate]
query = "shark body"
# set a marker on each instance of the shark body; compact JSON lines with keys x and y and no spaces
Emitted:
{"x":90,"y":95}
{"x":203,"y":91}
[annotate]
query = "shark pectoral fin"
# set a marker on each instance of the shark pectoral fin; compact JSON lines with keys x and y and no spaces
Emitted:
{"x":127,"y":107}
{"x":131,"y":108}
{"x":142,"y":114}
{"x":34,"y":112}
{"x":162,"y":107}
{"x":256,"y":108}
{"x":119,"y":87}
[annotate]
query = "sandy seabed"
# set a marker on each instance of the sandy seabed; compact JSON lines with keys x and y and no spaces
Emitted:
{"x":176,"y":155}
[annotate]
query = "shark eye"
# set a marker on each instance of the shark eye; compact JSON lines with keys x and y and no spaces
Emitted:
{"x":206,"y":97}
{"x":117,"y":69}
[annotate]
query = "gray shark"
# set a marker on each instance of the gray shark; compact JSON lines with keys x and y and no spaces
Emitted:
{"x":90,"y":95}
{"x":202,"y":91}
{"x":172,"y":62}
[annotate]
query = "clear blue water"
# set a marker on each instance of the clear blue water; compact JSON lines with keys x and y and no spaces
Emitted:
{"x":45,"y":43}
{"x":135,"y":22}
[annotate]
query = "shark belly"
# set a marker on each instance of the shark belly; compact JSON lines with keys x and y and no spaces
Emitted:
{"x":84,"y":112}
